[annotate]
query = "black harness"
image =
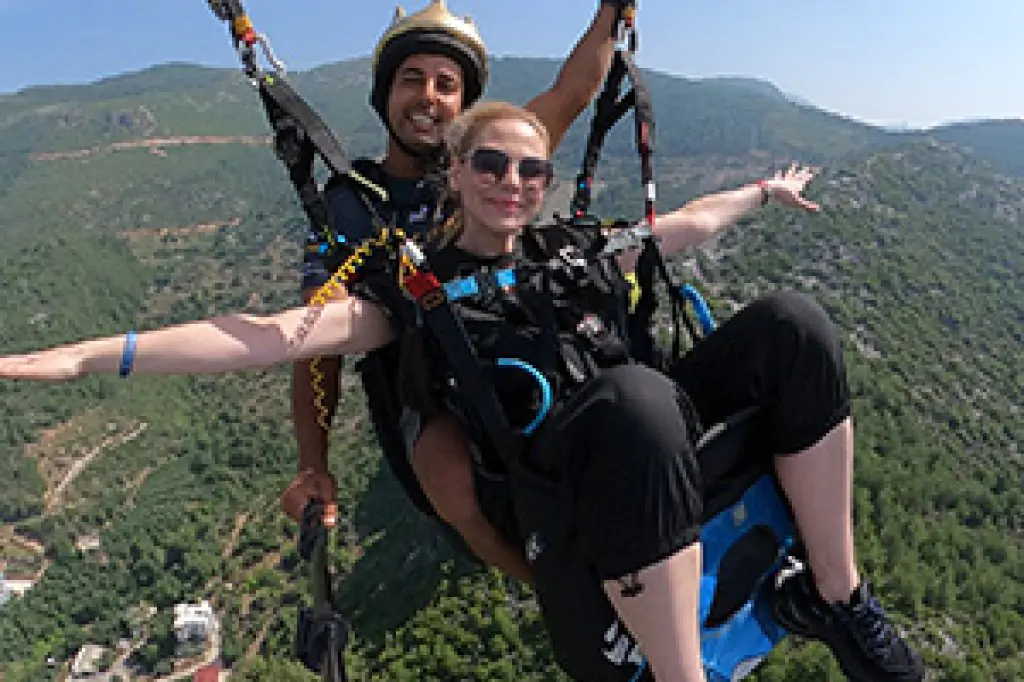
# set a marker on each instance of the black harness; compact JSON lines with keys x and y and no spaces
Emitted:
{"x":568,"y":296}
{"x":301,"y":136}
{"x":611,"y":106}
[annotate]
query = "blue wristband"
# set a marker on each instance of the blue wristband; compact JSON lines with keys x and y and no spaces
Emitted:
{"x":127,"y":355}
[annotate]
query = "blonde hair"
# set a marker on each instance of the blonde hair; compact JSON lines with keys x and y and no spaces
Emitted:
{"x":464,"y":131}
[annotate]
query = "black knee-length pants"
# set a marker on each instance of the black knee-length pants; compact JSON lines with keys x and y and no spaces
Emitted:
{"x":612,"y":484}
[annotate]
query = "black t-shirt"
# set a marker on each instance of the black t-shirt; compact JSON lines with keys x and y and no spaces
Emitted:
{"x":503,"y":325}
{"x":536,"y":322}
{"x":350,"y":217}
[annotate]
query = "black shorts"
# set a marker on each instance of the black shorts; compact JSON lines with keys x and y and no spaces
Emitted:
{"x":613,"y":484}
{"x":610,"y":486}
{"x":780,"y":354}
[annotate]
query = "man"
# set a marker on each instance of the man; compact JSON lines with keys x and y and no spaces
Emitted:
{"x":427,"y":68}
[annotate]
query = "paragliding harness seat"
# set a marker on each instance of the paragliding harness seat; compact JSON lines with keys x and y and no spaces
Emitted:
{"x":747,"y":528}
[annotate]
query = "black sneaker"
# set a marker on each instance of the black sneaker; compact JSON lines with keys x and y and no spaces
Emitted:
{"x":858,"y":632}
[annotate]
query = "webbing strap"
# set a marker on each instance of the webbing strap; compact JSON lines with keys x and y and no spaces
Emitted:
{"x":610,"y":108}
{"x":643,"y":119}
{"x":625,"y":237}
{"x":481,"y":284}
{"x":443,"y":322}
{"x":300,"y":134}
{"x":651,"y":261}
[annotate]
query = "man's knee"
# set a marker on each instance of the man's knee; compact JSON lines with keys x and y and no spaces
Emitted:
{"x":443,"y":465}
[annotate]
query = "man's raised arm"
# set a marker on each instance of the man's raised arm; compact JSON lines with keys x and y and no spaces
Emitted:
{"x":581,"y":76}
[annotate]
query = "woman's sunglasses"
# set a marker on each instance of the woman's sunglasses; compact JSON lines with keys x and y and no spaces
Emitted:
{"x":495,"y":163}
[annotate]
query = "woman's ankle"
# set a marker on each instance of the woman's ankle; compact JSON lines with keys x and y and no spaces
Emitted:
{"x":836,"y":586}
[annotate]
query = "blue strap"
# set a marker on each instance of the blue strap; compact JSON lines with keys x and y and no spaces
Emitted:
{"x":545,"y":390}
{"x":700,"y":306}
{"x":464,"y":287}
{"x":128,"y":354}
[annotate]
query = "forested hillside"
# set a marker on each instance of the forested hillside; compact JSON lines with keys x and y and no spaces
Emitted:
{"x":154,"y":198}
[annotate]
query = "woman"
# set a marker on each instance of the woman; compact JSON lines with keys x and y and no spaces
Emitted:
{"x":621,"y":437}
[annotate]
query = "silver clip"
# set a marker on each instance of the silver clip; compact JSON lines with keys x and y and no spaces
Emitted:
{"x":413,"y":252}
{"x":627,"y":238}
{"x":248,"y":56}
{"x":268,"y":52}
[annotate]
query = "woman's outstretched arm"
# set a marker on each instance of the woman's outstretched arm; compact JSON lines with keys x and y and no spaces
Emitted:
{"x":228,"y":343}
{"x":697,"y":221}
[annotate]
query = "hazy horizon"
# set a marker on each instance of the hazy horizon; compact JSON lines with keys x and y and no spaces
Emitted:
{"x":877,"y":62}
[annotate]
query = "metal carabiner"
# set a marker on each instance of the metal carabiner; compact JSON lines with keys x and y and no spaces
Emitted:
{"x":268,"y":53}
{"x":632,"y":237}
{"x":246,"y":38}
{"x":625,"y":31}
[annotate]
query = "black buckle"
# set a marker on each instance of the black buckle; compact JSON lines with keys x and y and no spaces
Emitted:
{"x":486,"y":285}
{"x":320,"y":631}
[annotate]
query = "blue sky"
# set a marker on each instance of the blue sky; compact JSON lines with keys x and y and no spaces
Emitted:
{"x":884,"y":61}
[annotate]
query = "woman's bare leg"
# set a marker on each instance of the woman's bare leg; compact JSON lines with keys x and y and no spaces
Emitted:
{"x":819,"y":485}
{"x":665,"y":616}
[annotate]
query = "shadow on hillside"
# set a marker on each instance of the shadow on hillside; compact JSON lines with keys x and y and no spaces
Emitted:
{"x":406,"y":556}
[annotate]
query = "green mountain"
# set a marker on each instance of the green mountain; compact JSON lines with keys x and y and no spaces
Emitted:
{"x":153,"y":198}
{"x":1000,"y":142}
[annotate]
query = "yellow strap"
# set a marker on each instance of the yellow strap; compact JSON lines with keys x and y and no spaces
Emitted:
{"x":368,"y":184}
{"x":335,"y":288}
{"x":634,"y":290}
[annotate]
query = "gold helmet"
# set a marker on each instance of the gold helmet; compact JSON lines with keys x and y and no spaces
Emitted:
{"x":433,"y":30}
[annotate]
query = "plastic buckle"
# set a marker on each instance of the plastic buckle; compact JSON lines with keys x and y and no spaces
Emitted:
{"x":486,"y":285}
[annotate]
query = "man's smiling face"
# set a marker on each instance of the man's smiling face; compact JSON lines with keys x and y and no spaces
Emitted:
{"x":425,"y":97}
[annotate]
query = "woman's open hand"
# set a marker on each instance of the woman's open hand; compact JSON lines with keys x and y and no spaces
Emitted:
{"x":787,"y":187}
{"x":55,"y":364}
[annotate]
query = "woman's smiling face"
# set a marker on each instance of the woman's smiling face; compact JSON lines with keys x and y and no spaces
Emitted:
{"x":501,"y":176}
